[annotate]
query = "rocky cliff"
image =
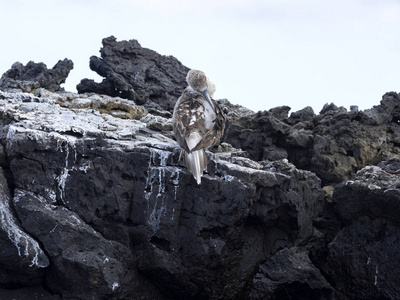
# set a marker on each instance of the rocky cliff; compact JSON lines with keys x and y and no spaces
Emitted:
{"x":95,"y":203}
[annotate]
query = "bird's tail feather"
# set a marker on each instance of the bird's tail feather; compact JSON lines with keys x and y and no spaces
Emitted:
{"x":196,"y":162}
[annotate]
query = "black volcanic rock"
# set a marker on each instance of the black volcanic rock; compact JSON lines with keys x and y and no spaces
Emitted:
{"x":30,"y":292}
{"x":136,"y":73}
{"x":290,"y":274}
{"x":22,"y":259}
{"x":257,"y":134}
{"x":334,"y":144}
{"x":36,"y":75}
{"x":118,"y":215}
{"x":362,"y":258}
{"x":78,"y":253}
{"x":95,"y":203}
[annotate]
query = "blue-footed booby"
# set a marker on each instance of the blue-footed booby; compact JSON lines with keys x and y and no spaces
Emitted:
{"x":198,"y":121}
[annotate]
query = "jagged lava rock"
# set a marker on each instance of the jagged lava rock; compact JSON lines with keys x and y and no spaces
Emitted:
{"x":334,"y":144}
{"x":79,"y":255}
{"x":102,"y":204}
{"x":21,"y":256}
{"x":289,"y":274}
{"x":362,"y":257}
{"x":136,"y":73}
{"x":36,"y":75}
{"x":119,"y":217}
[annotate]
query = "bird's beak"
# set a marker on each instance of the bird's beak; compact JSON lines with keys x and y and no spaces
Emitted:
{"x":207,"y":96}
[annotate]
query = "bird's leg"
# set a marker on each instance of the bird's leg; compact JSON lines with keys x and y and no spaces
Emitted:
{"x":180,"y":154}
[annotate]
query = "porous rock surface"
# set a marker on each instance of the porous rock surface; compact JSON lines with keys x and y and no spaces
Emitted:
{"x":334,"y":144}
{"x":136,"y":73}
{"x":95,"y":203}
{"x":36,"y":75}
{"x":115,"y":212}
{"x":368,"y":206}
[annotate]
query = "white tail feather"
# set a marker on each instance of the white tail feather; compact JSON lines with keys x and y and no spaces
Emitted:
{"x":193,"y":139}
{"x":196,"y":162}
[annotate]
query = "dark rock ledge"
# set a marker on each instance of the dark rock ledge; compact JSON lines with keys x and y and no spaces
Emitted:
{"x":116,"y":215}
{"x":94,"y":203}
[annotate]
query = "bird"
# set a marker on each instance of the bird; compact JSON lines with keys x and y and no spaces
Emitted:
{"x":198,"y":121}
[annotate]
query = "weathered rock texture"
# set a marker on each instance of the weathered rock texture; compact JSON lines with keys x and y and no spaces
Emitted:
{"x":362,"y":259}
{"x":136,"y":73}
{"x":334,"y":144}
{"x":36,"y":75}
{"x":114,"y":211}
{"x":95,"y":204}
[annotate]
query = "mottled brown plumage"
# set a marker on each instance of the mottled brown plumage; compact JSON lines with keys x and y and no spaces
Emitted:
{"x":198,"y":122}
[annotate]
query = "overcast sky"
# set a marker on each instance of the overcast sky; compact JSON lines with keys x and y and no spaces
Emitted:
{"x":260,"y":54}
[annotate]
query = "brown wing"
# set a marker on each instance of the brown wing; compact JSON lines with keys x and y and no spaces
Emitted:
{"x":213,"y":136}
{"x":188,"y":117}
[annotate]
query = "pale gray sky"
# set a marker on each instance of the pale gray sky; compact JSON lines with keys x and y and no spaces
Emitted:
{"x":260,"y":54}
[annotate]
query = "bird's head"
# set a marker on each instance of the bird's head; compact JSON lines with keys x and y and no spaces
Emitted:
{"x":197,"y":80}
